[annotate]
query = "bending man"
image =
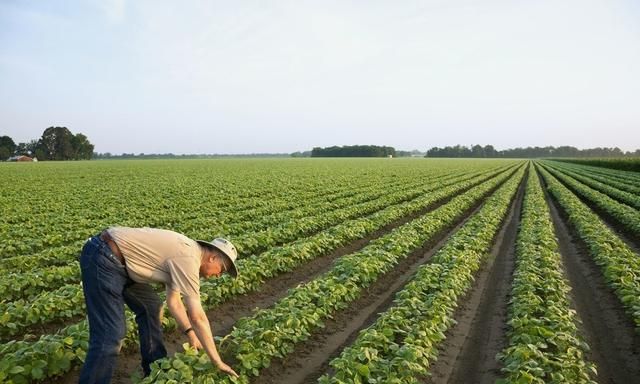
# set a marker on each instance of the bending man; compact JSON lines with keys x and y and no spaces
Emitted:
{"x":118,"y":265}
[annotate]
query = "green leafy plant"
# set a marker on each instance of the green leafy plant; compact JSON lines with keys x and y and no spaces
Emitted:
{"x":257,"y":269}
{"x":626,"y":216}
{"x":274,"y":332}
{"x":544,"y":342}
{"x":400,"y":345}
{"x":619,"y":264}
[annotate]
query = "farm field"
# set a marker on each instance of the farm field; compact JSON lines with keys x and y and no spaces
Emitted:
{"x":351,"y":270}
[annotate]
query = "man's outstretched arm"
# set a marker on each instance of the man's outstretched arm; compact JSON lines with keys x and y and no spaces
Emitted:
{"x":197,"y":319}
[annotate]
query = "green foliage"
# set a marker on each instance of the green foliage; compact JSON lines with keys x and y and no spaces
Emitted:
{"x":605,"y":187}
{"x":274,"y":332}
{"x":52,"y":355}
{"x":353,"y":151}
{"x":627,"y":216}
{"x":68,"y":300}
{"x":478,"y":151}
{"x":407,"y":189}
{"x":620,"y":163}
{"x":400,"y":345}
{"x":58,"y":143}
{"x":544,"y":342}
{"x":602,"y":178}
{"x":7,"y":147}
{"x":619,"y":264}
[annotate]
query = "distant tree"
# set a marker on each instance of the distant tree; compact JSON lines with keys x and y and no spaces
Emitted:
{"x":433,"y":152}
{"x":489,"y":151}
{"x":403,"y":153}
{"x":477,"y":151}
{"x":58,"y":143}
{"x":457,"y":151}
{"x":21,"y":149}
{"x":567,"y":151}
{"x":301,"y":154}
{"x":82,"y":148}
{"x":353,"y":151}
{"x":26,"y":149}
{"x":7,"y":147}
{"x":528,"y":152}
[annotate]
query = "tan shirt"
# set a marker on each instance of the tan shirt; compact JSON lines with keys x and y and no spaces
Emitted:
{"x":160,"y":256}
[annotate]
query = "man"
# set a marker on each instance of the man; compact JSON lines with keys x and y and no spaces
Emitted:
{"x":118,"y":265}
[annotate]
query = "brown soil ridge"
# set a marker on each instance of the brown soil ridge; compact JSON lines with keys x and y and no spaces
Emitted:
{"x":468,"y":353}
{"x":607,"y":329}
{"x":225,"y":316}
{"x":311,"y":358}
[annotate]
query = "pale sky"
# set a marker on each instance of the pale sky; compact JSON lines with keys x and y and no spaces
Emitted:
{"x":281,"y":76}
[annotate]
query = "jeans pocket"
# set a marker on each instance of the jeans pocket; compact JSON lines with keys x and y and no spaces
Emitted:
{"x":111,"y":277}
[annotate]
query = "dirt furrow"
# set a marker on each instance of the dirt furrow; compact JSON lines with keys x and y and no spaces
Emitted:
{"x":615,"y":347}
{"x":468,"y":354}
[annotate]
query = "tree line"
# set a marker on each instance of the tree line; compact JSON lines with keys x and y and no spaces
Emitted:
{"x":56,"y":143}
{"x":488,"y":151}
{"x":353,"y":151}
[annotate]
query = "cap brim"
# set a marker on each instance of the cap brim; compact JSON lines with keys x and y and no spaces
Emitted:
{"x":233,"y":271}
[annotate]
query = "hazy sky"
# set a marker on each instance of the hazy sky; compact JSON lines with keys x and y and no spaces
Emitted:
{"x":281,"y":76}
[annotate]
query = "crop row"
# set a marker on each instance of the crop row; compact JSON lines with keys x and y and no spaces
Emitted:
{"x":627,"y":198}
{"x":544,"y":344}
{"x":170,"y":202}
{"x":28,"y":284}
{"x":243,"y":219}
{"x":625,"y":184}
{"x":68,"y":299}
{"x":258,"y":269}
{"x":401,"y":344}
{"x":623,"y":176}
{"x":272,"y":333}
{"x":197,"y":229}
{"x":70,"y":342}
{"x":627,"y":217}
{"x":619,"y":264}
{"x":193,"y":209}
{"x":623,"y":164}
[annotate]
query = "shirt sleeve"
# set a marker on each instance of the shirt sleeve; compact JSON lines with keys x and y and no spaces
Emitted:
{"x":185,"y":277}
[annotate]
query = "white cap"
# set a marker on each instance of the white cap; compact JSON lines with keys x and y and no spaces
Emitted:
{"x":228,"y":249}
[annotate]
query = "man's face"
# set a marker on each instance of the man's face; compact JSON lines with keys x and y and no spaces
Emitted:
{"x":212,"y":265}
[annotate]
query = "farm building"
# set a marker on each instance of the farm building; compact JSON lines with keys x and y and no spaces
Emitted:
{"x":22,"y":159}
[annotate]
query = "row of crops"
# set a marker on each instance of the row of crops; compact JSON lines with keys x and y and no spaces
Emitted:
{"x":283,"y":214}
{"x":621,"y":163}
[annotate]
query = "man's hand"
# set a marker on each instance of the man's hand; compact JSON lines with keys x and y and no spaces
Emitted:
{"x":194,"y":341}
{"x":202,"y":330}
{"x":226,"y":369}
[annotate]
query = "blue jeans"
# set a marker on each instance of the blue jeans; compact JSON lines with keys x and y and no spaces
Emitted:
{"x":106,"y":289}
